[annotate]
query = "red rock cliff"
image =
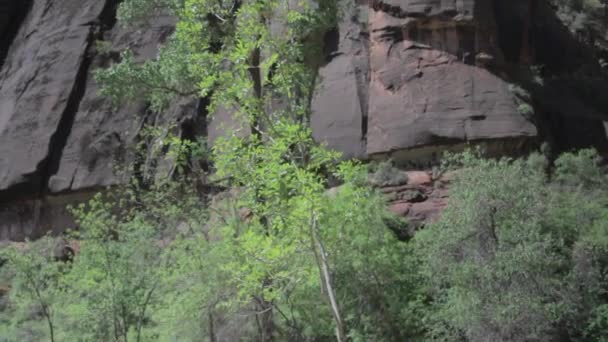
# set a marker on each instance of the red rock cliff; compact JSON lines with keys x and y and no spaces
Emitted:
{"x":403,"y":79}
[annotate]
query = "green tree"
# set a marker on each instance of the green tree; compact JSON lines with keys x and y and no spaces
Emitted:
{"x":34,"y":294}
{"x":378,"y":277}
{"x":259,"y":60}
{"x":512,"y":256}
{"x":115,"y":282}
{"x":239,"y":62}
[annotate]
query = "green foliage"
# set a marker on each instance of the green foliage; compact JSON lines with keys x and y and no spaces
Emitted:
{"x":278,"y":269}
{"x":115,"y":276}
{"x":33,"y":305}
{"x":215,"y":48}
{"x":378,"y":276}
{"x":230,"y":53}
{"x":157,"y":80}
{"x":103,"y":46}
{"x":385,"y":174}
{"x":580,"y":169}
{"x":133,"y":11}
{"x":517,"y":255}
{"x":510,"y":257}
{"x":159,"y":144}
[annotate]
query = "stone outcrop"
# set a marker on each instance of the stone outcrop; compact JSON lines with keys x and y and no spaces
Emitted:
{"x":403,"y":79}
{"x":426,"y":89}
{"x":340,"y":104}
{"x":40,"y":86}
{"x":420,"y":200}
{"x":59,"y":139}
{"x":429,"y":75}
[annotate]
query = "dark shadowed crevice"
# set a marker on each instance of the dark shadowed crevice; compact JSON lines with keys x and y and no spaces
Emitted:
{"x":364,"y":123}
{"x":200,"y":129}
{"x":566,"y":133}
{"x":395,"y":34}
{"x":363,"y":76}
{"x":390,"y":8}
{"x":142,"y":167}
{"x":331,"y":42}
{"x":12,"y":15}
{"x":107,"y":18}
{"x":195,"y":127}
{"x":557,"y":48}
{"x":509,"y":26}
{"x":466,"y":44}
{"x":545,"y":58}
{"x":570,"y":97}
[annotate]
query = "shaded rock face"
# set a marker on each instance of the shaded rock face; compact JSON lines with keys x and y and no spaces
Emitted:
{"x":58,"y":137}
{"x":39,"y":83}
{"x":404,"y":79}
{"x":566,"y":84}
{"x":340,"y":105}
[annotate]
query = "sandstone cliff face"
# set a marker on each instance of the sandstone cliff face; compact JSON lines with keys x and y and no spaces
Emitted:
{"x":403,"y":79}
{"x":58,"y":138}
{"x":428,"y":87}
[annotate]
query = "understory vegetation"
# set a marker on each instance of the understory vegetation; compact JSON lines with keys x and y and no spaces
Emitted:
{"x":266,"y":235}
{"x":519,"y":254}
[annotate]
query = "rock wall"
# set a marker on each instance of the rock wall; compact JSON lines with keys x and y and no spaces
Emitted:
{"x":404,"y":79}
{"x":59,"y":139}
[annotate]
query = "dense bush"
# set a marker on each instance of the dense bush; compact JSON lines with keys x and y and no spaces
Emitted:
{"x":519,"y":255}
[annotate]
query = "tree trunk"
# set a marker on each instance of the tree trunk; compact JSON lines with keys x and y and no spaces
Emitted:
{"x":212,"y":337}
{"x":265,"y":319}
{"x":326,"y":280}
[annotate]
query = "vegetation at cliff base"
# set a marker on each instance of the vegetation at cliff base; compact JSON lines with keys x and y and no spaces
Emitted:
{"x":519,"y":254}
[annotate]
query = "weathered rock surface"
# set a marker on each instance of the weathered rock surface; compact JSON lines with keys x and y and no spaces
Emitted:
{"x":423,"y":92}
{"x":37,"y":83}
{"x":57,"y":135}
{"x":420,"y":201}
{"x":100,"y":131}
{"x":34,"y":217}
{"x":403,"y":79}
{"x":427,"y":75}
{"x":340,"y":104}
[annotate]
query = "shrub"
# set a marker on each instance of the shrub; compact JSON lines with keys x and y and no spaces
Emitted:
{"x":516,"y":256}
